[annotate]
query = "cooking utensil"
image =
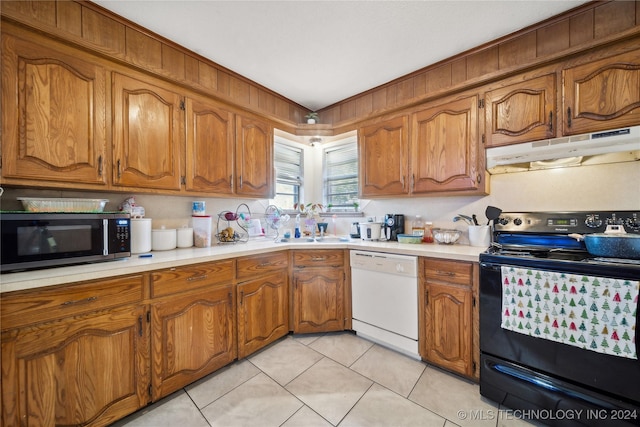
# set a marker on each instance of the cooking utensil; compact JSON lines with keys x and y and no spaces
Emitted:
{"x":613,"y":243}
{"x":492,"y":213}
{"x":475,"y":219}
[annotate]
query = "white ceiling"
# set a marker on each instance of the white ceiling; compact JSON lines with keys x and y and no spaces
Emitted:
{"x":320,"y":52}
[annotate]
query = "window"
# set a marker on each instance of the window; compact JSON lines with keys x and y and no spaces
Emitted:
{"x":341,"y":176}
{"x":289,"y":173}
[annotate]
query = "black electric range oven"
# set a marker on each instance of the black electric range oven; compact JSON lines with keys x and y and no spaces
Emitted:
{"x":559,"y":327}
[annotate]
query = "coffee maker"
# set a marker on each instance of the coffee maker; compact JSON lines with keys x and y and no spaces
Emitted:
{"x":393,"y":225}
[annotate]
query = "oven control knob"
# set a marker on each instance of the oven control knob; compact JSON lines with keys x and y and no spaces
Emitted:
{"x":593,"y":221}
{"x":517,"y":221}
{"x":503,"y":221}
{"x":633,"y":223}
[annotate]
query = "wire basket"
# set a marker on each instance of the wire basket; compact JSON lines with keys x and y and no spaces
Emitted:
{"x":229,"y":222}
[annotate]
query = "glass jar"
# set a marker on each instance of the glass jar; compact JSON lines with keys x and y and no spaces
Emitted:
{"x":427,"y":237}
{"x":417,"y":227}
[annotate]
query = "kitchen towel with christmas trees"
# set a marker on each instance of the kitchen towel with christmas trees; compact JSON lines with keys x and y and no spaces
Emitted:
{"x":593,"y":313}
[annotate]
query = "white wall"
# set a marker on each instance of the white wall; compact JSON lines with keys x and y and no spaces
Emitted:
{"x":597,"y":187}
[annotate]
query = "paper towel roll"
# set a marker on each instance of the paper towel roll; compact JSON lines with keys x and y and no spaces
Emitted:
{"x":140,"y":235}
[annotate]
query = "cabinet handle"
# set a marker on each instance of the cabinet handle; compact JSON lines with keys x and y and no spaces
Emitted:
{"x":479,"y":178}
{"x":100,"y":165}
{"x":426,"y":297}
{"x":550,"y":121}
{"x":241,"y":297}
{"x":194,"y":278}
{"x":230,"y":181}
{"x":318,"y":258}
{"x":402,"y":181}
{"x":230,"y":299}
{"x":413,"y":181}
{"x":264,"y":264}
{"x":119,"y":170}
{"x":568,"y":116}
{"x":140,"y":325}
{"x":80,"y":301}
{"x":445,"y":273}
{"x":240,"y":181}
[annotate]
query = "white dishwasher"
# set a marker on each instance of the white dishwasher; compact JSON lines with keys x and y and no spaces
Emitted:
{"x":384,"y":291}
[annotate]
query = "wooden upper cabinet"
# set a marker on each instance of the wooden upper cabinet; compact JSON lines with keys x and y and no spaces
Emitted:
{"x":210,"y":146}
{"x":254,"y":158}
{"x":53,"y":114}
{"x":383,"y":149}
{"x":602,"y":95}
{"x":444,"y":147}
{"x":147,"y":134}
{"x":521,"y":112}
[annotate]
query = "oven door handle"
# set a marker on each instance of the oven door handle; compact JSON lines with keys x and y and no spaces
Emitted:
{"x":490,"y":266}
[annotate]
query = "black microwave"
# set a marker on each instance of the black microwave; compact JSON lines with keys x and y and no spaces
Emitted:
{"x":35,"y":240}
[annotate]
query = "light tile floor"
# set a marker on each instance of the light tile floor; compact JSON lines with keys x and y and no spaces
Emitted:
{"x":336,"y":379}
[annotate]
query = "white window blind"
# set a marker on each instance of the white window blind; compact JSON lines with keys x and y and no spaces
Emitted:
{"x":289,"y":173}
{"x":341,"y":176}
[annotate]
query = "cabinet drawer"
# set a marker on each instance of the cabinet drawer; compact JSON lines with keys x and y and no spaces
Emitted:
{"x":318,"y":258}
{"x":253,"y":266}
{"x":179,"y":279}
{"x":28,"y":307}
{"x":449,"y":271}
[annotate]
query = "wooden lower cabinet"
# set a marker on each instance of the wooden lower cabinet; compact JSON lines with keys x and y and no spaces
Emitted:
{"x":446,"y":312}
{"x":318,"y":291}
{"x":263,"y":312}
{"x":193,"y":334}
{"x":89,"y":369}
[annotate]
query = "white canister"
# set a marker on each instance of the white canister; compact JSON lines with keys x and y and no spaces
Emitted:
{"x":163,"y":239}
{"x":185,"y":237}
{"x":370,"y":230}
{"x":140,"y":235}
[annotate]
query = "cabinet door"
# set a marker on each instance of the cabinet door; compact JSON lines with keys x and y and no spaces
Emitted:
{"x":263,"y":312}
{"x":53,"y":114}
{"x":318,"y":304}
{"x":444,"y":147}
{"x":383,"y":157}
{"x":80,"y":370}
{"x":602,"y":95}
{"x":521,"y":112}
{"x":254,"y":158}
{"x":209,"y":154}
{"x":193,"y":335}
{"x":147,"y":134}
{"x":449,"y":327}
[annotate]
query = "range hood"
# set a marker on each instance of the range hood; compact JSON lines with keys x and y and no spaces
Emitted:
{"x":612,"y":146}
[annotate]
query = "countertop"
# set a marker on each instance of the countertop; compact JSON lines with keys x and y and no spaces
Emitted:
{"x":179,"y":257}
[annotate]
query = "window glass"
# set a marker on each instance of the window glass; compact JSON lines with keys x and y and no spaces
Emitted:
{"x":341,"y":176}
